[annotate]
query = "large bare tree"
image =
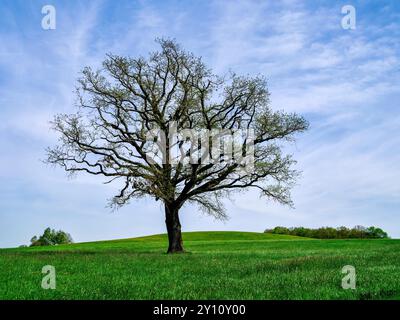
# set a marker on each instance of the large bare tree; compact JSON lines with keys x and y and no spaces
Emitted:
{"x":129,"y":124}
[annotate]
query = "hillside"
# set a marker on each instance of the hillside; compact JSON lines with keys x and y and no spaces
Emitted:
{"x":218,"y":265}
{"x":161,"y":240}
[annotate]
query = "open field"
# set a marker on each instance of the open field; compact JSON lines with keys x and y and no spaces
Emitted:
{"x":219,"y":265}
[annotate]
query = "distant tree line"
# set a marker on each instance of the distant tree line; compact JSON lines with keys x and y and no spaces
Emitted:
{"x":358,"y":232}
{"x":51,"y":237}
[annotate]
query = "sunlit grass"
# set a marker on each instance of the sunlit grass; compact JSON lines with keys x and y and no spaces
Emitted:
{"x":218,"y":265}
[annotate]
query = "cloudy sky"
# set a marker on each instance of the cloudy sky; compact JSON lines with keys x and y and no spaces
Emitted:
{"x":345,"y":82}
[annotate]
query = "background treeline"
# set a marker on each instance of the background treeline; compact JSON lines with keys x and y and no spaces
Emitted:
{"x":358,"y":232}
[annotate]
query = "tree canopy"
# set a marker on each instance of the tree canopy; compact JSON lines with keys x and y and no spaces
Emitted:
{"x":51,"y":237}
{"x":358,"y":232}
{"x":166,"y":127}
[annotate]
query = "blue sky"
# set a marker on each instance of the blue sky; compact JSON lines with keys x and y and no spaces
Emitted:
{"x":345,"y":82}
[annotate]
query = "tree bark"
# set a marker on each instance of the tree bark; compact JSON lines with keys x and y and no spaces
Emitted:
{"x":173,"y":228}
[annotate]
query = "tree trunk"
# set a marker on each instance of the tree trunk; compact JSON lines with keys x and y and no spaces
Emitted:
{"x":173,"y":228}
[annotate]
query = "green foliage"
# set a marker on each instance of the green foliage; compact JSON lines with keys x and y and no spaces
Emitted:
{"x":51,"y":237}
{"x":220,"y":265}
{"x":377,"y":232}
{"x":358,"y":232}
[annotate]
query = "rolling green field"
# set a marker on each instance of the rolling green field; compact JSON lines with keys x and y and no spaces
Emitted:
{"x":218,"y":265}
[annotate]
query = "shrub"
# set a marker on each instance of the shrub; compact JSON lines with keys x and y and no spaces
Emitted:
{"x":50,"y":237}
{"x":358,"y":232}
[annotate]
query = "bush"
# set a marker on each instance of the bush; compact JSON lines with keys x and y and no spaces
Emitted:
{"x":50,"y":237}
{"x":358,"y":232}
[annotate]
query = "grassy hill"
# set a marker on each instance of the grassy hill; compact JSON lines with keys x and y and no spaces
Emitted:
{"x":219,"y":265}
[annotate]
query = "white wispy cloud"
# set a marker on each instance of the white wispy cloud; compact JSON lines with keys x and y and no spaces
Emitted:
{"x":345,"y":82}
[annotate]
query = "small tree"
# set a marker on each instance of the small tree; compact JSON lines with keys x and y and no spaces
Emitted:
{"x":375,"y":232}
{"x":51,"y":237}
{"x":169,"y":92}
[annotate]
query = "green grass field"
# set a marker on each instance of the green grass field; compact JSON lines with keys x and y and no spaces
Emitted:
{"x":218,"y":265}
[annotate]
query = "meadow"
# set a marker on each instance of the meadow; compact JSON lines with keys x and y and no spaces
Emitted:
{"x":217,"y":265}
